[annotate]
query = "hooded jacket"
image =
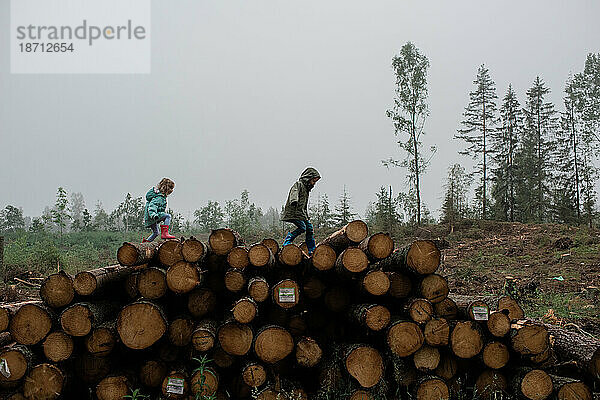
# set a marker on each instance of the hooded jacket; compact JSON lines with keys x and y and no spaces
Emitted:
{"x":156,"y":204}
{"x":297,"y":202}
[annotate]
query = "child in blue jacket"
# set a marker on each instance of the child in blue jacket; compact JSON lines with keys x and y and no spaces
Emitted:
{"x":156,"y":204}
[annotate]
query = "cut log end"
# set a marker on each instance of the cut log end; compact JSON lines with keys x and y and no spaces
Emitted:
{"x":273,"y":344}
{"x":45,"y":381}
{"x":30,"y":324}
{"x":466,"y":339}
{"x":423,"y":257}
{"x":432,"y":389}
{"x":254,"y":375}
{"x":238,"y":258}
{"x":286,"y":294}
{"x":574,"y":391}
{"x":57,"y":290}
{"x":152,"y":283}
{"x":489,"y":384}
{"x":112,"y":388}
{"x":245,"y":310}
{"x":404,"y":338}
{"x":420,"y":310}
{"x":427,"y":358}
{"x":18,"y":359}
{"x":235,"y":338}
{"x":376,"y":283}
{"x":101,"y":342}
{"x":324,"y":257}
{"x":498,"y":324}
{"x":437,"y":332}
{"x":290,"y":255}
{"x":536,"y":385}
{"x":84,"y":283}
{"x":183,"y":277}
{"x":356,"y":231}
{"x":180,"y":331}
{"x":434,"y":288}
{"x":140,"y":325}
{"x":259,"y":255}
{"x":272,"y":244}
{"x":221,"y":241}
{"x":258,"y":289}
{"x":152,"y":373}
{"x":353,"y":260}
{"x":400,"y":285}
{"x":169,"y":252}
{"x":379,"y":245}
{"x":308,"y":352}
{"x":510,"y":305}
{"x":58,"y":346}
{"x":201,"y":302}
{"x":234,"y":280}
{"x":204,"y":383}
{"x":365,"y":364}
{"x":193,"y":250}
{"x":495,"y":355}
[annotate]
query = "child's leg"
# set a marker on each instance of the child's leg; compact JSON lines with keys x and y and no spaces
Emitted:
{"x":154,"y":233}
{"x":301,"y":228}
{"x":166,"y":219}
{"x":310,"y":237}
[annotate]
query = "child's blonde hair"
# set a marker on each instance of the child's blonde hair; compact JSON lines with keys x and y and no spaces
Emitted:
{"x":165,"y":186}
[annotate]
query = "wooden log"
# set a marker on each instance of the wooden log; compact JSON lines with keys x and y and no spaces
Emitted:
{"x":364,"y":364}
{"x":260,"y":256}
{"x":5,"y":315}
{"x":437,"y":332}
{"x":490,"y":385}
{"x":91,"y":369}
{"x":404,"y":338}
{"x":235,"y":338}
{"x":5,"y":339}
{"x":351,"y":260}
{"x":87,"y":283}
{"x":183,"y":277}
{"x":141,"y":324}
{"x":193,"y":250}
{"x":169,"y":252}
{"x":528,"y":337}
{"x":372,"y":316}
{"x":102,"y":340}
{"x":421,"y":257}
{"x":532,"y":384}
{"x":376,"y":282}
{"x":286,"y":294}
{"x":448,"y":366}
{"x":181,"y":330}
{"x":313,"y":288}
{"x":201,"y":302}
{"x":466,"y":339}
{"x":360,"y":394}
{"x":244,"y":310}
{"x":131,"y":285}
{"x":297,"y":325}
{"x":570,"y":389}
{"x":446,"y":309}
{"x":130,"y":254}
{"x":474,"y":308}
{"x":427,"y":359}
{"x":152,"y":283}
{"x":80,"y":318}
{"x":431,"y":388}
{"x":58,"y":346}
{"x":495,"y":355}
{"x":350,"y":235}
{"x":204,"y":335}
{"x":574,"y":346}
{"x":57,"y":290}
{"x":272,"y":244}
{"x":400,"y":285}
{"x":419,"y":310}
{"x":175,"y":385}
{"x":308,"y":352}
{"x":222,"y":359}
{"x":31,"y":323}
{"x":114,"y":387}
{"x":273,"y":343}
{"x":324,"y":257}
{"x":18,"y":359}
{"x":377,"y":246}
{"x":498,"y":324}
{"x":258,"y":289}
{"x":221,"y":241}
{"x":404,"y":373}
{"x":152,"y":373}
{"x":515,"y":312}
{"x":238,"y":257}
{"x":434,"y":288}
{"x":204,"y":383}
{"x":44,"y":381}
{"x":235,"y":280}
{"x":290,"y":255}
{"x":254,"y":374}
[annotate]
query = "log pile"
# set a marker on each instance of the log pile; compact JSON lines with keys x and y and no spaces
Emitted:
{"x":183,"y":319}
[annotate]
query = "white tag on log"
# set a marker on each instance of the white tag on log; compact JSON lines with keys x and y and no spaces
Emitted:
{"x":480,"y":313}
{"x":175,"y":385}
{"x":4,"y":370}
{"x":287,"y":295}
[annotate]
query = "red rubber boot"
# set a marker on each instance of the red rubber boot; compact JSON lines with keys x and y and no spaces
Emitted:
{"x":164,"y":232}
{"x":144,"y":240}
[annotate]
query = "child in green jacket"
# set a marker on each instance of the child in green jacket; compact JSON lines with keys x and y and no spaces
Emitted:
{"x":156,"y":204}
{"x":296,"y":210}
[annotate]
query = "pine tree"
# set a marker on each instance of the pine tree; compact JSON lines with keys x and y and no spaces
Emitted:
{"x":409,"y":113}
{"x":60,"y":212}
{"x":343,"y":214}
{"x":479,"y":123}
{"x":534,"y":156}
{"x":455,"y":204}
{"x":209,"y":217}
{"x":505,"y":141}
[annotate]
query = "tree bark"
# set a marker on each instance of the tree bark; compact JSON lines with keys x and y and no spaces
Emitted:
{"x":130,"y":254}
{"x":88,"y":283}
{"x":350,"y":235}
{"x":421,"y":257}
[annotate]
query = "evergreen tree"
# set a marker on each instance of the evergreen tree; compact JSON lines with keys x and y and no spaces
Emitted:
{"x":479,"y":123}
{"x":209,"y":217}
{"x":343,"y":210}
{"x":505,"y":141}
{"x":320,"y":213}
{"x":409,"y":113}
{"x":86,"y":220}
{"x":383,"y":215}
{"x":60,"y":212}
{"x":37,"y":226}
{"x":534,"y":156}
{"x":455,"y":206}
{"x":11,"y":219}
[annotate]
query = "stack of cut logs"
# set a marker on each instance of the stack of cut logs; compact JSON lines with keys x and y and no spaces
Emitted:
{"x":358,"y":320}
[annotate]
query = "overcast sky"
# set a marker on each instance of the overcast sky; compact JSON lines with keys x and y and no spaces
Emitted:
{"x":246,"y":94}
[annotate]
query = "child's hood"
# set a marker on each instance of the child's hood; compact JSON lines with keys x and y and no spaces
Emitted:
{"x":153,"y":193}
{"x":308,"y":174}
